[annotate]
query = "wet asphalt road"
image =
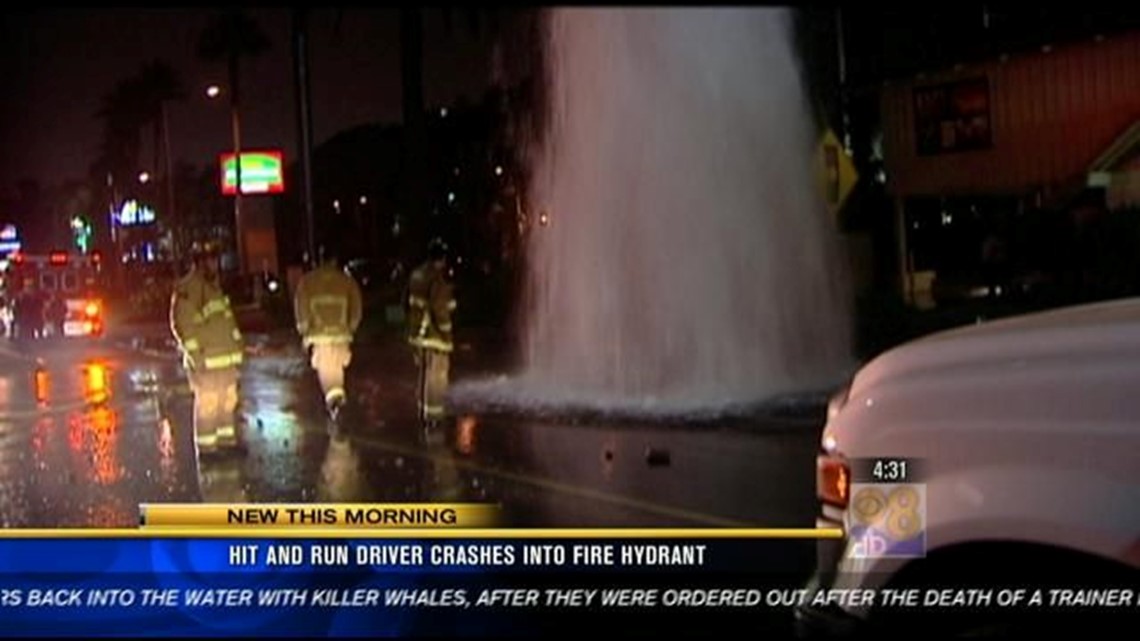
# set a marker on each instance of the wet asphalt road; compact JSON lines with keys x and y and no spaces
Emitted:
{"x":87,"y":454}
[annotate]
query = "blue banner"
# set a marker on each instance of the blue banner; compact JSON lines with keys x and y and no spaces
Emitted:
{"x":388,"y":587}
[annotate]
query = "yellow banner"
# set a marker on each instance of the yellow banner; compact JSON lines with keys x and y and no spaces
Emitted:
{"x":319,"y":532}
{"x":349,"y":515}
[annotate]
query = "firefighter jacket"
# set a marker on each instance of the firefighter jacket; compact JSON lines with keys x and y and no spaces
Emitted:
{"x":204,"y":325}
{"x":431,"y":302}
{"x":327,"y":306}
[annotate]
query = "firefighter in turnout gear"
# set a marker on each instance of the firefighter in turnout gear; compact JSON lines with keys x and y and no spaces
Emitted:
{"x":207,"y":333}
{"x":327,"y":306}
{"x":431,"y":303}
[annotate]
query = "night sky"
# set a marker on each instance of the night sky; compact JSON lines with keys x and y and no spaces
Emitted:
{"x":57,"y":66}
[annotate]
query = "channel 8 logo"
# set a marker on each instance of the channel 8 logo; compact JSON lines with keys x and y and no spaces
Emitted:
{"x":887,"y":521}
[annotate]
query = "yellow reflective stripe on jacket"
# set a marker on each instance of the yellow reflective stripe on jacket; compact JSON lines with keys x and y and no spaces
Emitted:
{"x":216,"y":306}
{"x":191,"y":345}
{"x":223,"y":360}
{"x":328,"y":339}
{"x":451,"y":305}
{"x":417,"y":301}
{"x":445,"y":327}
{"x":431,"y":343}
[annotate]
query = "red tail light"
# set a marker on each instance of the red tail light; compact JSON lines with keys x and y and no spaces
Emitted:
{"x":91,"y":309}
{"x":58,"y":258}
{"x":833,"y":480}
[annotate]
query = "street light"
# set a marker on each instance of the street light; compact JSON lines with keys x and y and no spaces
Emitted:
{"x":144,"y":177}
{"x":213,"y":91}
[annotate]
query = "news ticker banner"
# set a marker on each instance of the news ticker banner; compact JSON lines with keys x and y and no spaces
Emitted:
{"x":380,"y":570}
{"x":230,"y":573}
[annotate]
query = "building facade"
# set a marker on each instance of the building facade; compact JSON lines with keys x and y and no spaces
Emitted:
{"x":971,"y":150}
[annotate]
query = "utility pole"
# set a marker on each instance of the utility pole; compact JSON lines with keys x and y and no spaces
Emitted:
{"x":175,"y":227}
{"x":414,"y":202}
{"x":841,"y":50}
{"x":305,"y":124}
{"x":236,"y":125}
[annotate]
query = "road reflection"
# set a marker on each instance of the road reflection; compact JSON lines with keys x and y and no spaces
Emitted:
{"x":222,"y":480}
{"x":167,"y":463}
{"x":103,"y":424}
{"x":42,"y":386}
{"x":444,"y":483}
{"x":341,"y":480}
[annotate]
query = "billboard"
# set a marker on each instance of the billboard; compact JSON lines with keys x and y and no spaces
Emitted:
{"x":953,"y":117}
{"x":262,"y":172}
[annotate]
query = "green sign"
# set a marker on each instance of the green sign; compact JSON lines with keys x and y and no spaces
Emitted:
{"x":262,"y":172}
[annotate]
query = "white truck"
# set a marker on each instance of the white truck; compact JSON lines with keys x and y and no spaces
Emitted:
{"x":1023,"y":434}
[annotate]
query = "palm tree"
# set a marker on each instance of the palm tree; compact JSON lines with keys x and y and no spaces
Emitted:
{"x":123,"y":117}
{"x":135,"y":103}
{"x":157,"y":84}
{"x":229,"y":37}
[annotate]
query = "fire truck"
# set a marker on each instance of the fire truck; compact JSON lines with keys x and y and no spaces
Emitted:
{"x":65,"y":288}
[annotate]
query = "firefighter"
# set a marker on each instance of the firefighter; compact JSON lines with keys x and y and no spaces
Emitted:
{"x":55,"y":315}
{"x":431,"y":303}
{"x":211,"y":344}
{"x":328,"y":307}
{"x":29,"y":310}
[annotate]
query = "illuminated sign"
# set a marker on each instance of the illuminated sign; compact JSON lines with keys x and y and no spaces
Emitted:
{"x":262,"y":172}
{"x":9,"y":240}
{"x":82,"y":233}
{"x":133,"y":213}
